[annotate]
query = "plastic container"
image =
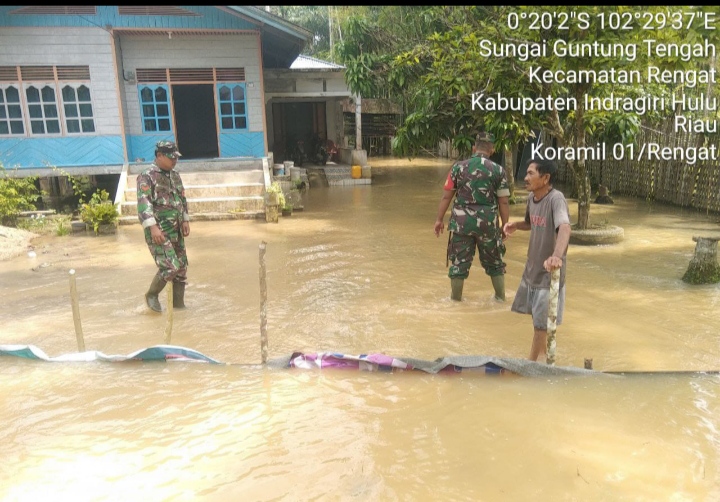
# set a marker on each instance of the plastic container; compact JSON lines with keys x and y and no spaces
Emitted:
{"x":288,"y":164}
{"x":295,"y":173}
{"x":278,"y":170}
{"x":366,"y":172}
{"x":356,"y":172}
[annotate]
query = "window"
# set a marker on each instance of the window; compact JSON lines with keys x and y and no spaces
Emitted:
{"x":42,"y":109}
{"x":53,"y":95}
{"x":155,"y":108}
{"x":233,"y":113}
{"x":11,"y":119}
{"x":78,"y":109}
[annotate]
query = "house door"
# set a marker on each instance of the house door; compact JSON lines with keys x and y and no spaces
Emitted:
{"x":196,"y":125}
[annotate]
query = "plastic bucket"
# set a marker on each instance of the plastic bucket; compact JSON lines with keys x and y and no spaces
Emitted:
{"x":356,"y":172}
{"x":288,"y":164}
{"x":295,"y":174}
{"x":278,"y":170}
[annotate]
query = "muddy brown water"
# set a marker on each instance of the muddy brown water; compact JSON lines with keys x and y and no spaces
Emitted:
{"x":359,"y":271}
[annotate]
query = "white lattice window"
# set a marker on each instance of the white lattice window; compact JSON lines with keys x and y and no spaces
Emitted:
{"x":78,"y":108}
{"x":11,"y":118}
{"x":42,"y":109}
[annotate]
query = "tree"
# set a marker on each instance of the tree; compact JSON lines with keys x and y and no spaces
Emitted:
{"x":313,"y":18}
{"x":451,"y":67}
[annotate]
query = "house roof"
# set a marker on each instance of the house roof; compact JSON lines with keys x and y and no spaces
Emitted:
{"x":282,"y":40}
{"x":303,"y":62}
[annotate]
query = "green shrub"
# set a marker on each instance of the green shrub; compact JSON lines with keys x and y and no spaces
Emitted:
{"x":62,"y":226}
{"x":275,"y":187}
{"x":82,"y":189}
{"x":99,"y":211}
{"x":16,"y":195}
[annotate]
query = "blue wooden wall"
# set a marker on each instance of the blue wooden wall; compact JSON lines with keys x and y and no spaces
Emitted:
{"x":143,"y":146}
{"x":242,"y":144}
{"x":210,"y":18}
{"x":234,"y":144}
{"x":61,"y":151}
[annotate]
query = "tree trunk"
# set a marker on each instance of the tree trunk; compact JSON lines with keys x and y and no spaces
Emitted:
{"x":556,"y":127}
{"x":330,"y":32}
{"x":509,"y":165}
{"x":582,"y":178}
{"x":704,"y":267}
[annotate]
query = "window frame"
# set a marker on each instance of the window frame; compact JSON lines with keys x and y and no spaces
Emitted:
{"x":4,"y":86}
{"x":40,"y":85}
{"x":75,"y":84}
{"x":57,"y":84}
{"x":232,"y":102}
{"x":156,"y":118}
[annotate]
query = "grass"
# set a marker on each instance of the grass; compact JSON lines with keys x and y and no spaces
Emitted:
{"x":45,"y":225}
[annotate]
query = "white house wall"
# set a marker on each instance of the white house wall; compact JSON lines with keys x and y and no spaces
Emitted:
{"x":92,"y":47}
{"x":221,"y":51}
{"x":292,"y":86}
{"x":69,"y":46}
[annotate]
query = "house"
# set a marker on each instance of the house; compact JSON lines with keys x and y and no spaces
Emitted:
{"x":91,"y":89}
{"x":304,"y":103}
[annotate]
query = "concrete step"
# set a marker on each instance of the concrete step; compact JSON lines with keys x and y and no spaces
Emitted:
{"x":217,"y":190}
{"x":208,"y":205}
{"x":196,"y":165}
{"x":240,"y":215}
{"x":212,"y":178}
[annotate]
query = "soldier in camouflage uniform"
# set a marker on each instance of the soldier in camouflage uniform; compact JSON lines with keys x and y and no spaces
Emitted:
{"x":163,"y":213}
{"x":481,"y":192}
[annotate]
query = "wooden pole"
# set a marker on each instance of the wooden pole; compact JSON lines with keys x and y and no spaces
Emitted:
{"x":76,"y":312}
{"x":169,"y":323}
{"x":552,"y":315}
{"x":263,"y":306}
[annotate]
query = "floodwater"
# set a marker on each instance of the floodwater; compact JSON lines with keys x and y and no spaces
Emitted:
{"x":360,"y":271}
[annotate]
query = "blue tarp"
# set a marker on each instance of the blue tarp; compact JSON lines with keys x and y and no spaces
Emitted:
{"x":156,"y":353}
{"x":486,"y":365}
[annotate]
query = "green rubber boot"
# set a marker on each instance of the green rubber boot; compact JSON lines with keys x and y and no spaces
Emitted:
{"x":179,"y":295}
{"x":151,"y":297}
{"x":498,"y":282}
{"x":456,"y":286}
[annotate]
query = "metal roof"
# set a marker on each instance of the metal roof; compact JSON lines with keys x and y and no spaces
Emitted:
{"x":303,"y":62}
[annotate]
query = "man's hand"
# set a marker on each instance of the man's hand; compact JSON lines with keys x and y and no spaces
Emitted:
{"x":158,"y":237}
{"x":439,"y":227}
{"x":185,"y":228}
{"x":508,"y":229}
{"x":552,"y":263}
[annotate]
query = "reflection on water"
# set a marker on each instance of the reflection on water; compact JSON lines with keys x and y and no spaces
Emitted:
{"x":360,"y":271}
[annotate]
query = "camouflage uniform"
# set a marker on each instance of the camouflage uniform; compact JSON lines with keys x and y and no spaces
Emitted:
{"x":478,"y":182}
{"x":161,"y":201}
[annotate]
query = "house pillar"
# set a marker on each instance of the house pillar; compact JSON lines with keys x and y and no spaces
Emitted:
{"x":358,"y":123}
{"x":359,"y":156}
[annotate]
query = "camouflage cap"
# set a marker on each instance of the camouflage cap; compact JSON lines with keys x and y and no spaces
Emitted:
{"x":485,"y":136}
{"x":168,"y":149}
